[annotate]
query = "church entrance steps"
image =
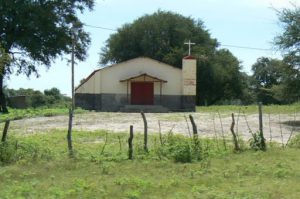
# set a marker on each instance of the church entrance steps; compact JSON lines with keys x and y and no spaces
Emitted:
{"x":144,"y":108}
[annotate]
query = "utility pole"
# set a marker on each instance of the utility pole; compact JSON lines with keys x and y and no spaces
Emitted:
{"x":71,"y":110}
{"x":72,"y":70}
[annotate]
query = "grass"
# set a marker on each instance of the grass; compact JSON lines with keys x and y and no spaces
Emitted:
{"x":40,"y":168}
{"x":250,"y":109}
{"x":16,"y":114}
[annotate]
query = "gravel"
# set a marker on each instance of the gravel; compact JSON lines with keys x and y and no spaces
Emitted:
{"x":276,"y":127}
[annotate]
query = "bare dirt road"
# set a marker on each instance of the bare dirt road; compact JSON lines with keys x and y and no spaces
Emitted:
{"x":278,"y":127}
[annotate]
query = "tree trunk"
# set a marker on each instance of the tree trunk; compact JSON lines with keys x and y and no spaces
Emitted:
{"x":2,"y":96}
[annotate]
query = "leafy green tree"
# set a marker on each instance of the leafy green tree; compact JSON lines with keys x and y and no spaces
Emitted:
{"x":220,"y":79}
{"x":289,"y":40}
{"x":268,"y":72}
{"x":34,"y":33}
{"x":161,"y":36}
{"x":274,"y":81}
{"x":54,"y":92}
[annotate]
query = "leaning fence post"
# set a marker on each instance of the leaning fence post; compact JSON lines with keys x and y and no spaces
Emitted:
{"x":4,"y":134}
{"x":145,"y":132}
{"x":69,"y":135}
{"x":235,"y":140}
{"x":195,"y":132}
{"x":197,"y":145}
{"x":130,"y":150}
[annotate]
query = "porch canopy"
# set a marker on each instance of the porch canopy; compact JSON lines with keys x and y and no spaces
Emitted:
{"x":143,"y":78}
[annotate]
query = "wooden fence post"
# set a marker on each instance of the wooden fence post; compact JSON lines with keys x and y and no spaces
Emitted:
{"x":69,"y":135}
{"x":261,"y":133}
{"x":195,"y":131}
{"x":130,"y":150}
{"x":5,"y":130}
{"x":235,"y":141}
{"x":145,"y":132}
{"x":260,"y":117}
{"x":197,"y":145}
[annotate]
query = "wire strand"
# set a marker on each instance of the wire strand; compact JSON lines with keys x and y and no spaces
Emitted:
{"x":225,"y":45}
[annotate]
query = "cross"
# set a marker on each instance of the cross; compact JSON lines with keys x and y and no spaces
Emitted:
{"x":190,"y":45}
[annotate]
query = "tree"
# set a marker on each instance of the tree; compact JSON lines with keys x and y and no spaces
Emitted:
{"x":220,"y":79}
{"x":268,"y":72}
{"x":289,"y":40}
{"x":54,"y":92}
{"x":161,"y":36}
{"x":274,"y":81}
{"x":34,"y":33}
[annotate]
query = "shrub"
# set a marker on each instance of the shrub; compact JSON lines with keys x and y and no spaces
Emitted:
{"x":295,"y":142}
{"x":8,"y":151}
{"x":13,"y":151}
{"x":182,"y":153}
{"x":257,"y":142}
{"x":177,"y":148}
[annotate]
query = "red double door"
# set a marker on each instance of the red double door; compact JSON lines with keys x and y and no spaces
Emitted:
{"x":142,"y":93}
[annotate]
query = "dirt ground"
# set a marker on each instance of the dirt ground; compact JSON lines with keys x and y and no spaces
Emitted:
{"x":276,"y":127}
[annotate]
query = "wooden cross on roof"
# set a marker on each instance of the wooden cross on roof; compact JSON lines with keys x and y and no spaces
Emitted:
{"x":190,"y":45}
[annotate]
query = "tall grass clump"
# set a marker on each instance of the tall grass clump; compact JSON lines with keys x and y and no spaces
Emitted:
{"x":180,"y":148}
{"x":295,"y":142}
{"x":12,"y":151}
{"x":257,"y":142}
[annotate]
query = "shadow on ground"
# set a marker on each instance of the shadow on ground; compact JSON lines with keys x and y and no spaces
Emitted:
{"x":292,"y":123}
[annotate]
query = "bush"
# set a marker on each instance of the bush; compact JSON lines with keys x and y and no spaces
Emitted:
{"x":295,"y":142}
{"x":182,"y":153}
{"x":257,"y":142}
{"x":8,"y":151}
{"x":13,"y":151}
{"x":177,"y":148}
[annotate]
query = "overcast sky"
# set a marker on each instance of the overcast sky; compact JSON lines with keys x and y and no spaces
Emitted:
{"x":244,"y":23}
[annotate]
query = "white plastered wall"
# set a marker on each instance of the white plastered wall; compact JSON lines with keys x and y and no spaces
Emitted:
{"x":92,"y":85}
{"x":107,"y":80}
{"x":189,"y":77}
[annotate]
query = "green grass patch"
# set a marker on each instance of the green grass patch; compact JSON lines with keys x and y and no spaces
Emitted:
{"x":16,"y":114}
{"x":38,"y":166}
{"x":272,"y":109}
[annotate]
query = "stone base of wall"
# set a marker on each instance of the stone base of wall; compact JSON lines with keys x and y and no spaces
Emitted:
{"x":115,"y":102}
{"x":188,"y":102}
{"x":88,"y":101}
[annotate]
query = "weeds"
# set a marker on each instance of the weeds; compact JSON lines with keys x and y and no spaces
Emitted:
{"x":257,"y":142}
{"x":38,"y":161}
{"x":295,"y":142}
{"x":12,"y":151}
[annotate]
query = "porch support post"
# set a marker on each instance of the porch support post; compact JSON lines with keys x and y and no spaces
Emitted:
{"x":160,"y":92}
{"x":128,"y":92}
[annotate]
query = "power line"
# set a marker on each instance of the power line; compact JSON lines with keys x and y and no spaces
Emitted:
{"x":246,"y":47}
{"x":225,"y":45}
{"x":99,"y":27}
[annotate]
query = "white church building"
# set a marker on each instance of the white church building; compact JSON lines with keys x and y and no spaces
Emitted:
{"x":140,"y":84}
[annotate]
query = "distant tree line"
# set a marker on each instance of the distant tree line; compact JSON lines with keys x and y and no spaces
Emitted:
{"x":34,"y":98}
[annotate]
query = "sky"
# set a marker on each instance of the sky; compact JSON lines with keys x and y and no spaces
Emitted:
{"x":242,"y":23}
